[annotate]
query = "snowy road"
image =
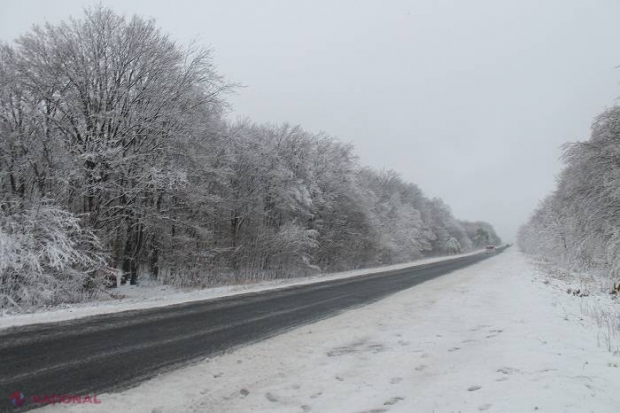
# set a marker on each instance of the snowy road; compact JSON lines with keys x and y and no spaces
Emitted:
{"x":493,"y":337}
{"x":116,"y":350}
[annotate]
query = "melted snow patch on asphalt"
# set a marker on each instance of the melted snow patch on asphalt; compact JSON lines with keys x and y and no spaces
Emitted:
{"x":492,"y":337}
{"x":149,"y":295}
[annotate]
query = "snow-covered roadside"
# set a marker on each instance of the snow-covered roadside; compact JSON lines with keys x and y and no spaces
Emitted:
{"x":594,"y":298}
{"x":492,"y":337}
{"x":150,"y":296}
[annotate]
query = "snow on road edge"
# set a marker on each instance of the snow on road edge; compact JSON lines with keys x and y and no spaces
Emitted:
{"x":141,"y":298}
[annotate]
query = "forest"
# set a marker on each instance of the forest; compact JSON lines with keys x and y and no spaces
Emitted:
{"x":578,"y":225}
{"x":118,"y":164}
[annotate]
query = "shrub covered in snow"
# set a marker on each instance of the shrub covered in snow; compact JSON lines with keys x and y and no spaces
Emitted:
{"x":47,"y":258}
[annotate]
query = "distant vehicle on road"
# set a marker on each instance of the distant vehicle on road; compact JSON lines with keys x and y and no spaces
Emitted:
{"x":490,"y":248}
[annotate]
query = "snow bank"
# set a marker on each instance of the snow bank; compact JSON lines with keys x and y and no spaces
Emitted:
{"x":491,"y":337}
{"x":592,"y":292}
{"x":150,"y":296}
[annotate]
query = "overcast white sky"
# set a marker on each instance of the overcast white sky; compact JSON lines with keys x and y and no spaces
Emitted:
{"x":469,"y":99}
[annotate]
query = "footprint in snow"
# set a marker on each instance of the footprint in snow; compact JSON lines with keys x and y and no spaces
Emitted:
{"x":271,"y":397}
{"x":474,"y":388}
{"x":421,"y":367}
{"x":454,"y":349}
{"x":480,"y":327}
{"x":393,"y":401}
{"x":396,"y":380}
{"x":507,"y":370}
{"x":484,"y":407}
{"x":546,"y":370}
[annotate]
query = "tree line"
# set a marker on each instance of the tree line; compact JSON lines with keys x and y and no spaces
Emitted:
{"x":578,"y":225}
{"x":117,"y":164}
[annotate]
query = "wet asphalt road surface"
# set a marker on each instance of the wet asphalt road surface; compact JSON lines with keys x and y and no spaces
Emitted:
{"x":114,"y":351}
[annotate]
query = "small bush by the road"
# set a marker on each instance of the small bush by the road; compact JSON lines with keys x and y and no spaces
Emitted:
{"x":47,"y":258}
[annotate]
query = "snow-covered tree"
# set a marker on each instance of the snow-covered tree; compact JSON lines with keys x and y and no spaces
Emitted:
{"x":451,"y":246}
{"x":47,"y":258}
{"x":578,"y":225}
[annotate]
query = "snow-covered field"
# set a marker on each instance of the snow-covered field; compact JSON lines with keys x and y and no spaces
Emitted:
{"x":145,"y":296}
{"x":492,"y":337}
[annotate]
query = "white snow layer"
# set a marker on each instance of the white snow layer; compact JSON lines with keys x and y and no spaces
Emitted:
{"x":492,"y":337}
{"x":150,"y":296}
